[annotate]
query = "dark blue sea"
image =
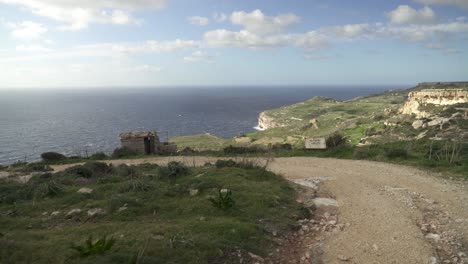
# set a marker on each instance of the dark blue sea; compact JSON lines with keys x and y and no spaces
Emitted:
{"x":80,"y":121}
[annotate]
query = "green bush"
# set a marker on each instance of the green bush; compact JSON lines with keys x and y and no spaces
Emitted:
{"x":335,"y":140}
{"x":98,"y":167}
{"x":93,"y":248}
{"x":48,"y":188}
{"x":243,"y":150}
{"x":395,"y":153}
{"x":224,"y":200}
{"x":225,"y":163}
{"x":98,"y":156}
{"x":123,"y":152}
{"x":38,"y":167}
{"x":80,"y":171}
{"x":52,"y":156}
{"x":177,"y":169}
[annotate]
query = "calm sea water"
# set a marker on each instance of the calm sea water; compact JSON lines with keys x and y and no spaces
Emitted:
{"x":86,"y":121}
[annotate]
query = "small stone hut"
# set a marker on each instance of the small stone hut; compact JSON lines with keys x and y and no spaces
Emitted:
{"x":144,"y":142}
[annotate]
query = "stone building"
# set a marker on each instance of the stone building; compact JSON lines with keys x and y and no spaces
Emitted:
{"x":146,"y":142}
{"x":141,"y":142}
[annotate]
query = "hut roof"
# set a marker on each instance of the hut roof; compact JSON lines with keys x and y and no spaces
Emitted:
{"x":137,"y":134}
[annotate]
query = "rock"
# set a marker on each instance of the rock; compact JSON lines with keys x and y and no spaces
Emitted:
{"x":314,"y":123}
{"x":440,"y":121}
{"x":343,"y":258}
{"x":45,"y":213}
{"x":74,"y":212}
{"x":435,"y":237}
{"x":193,"y":192}
{"x":55,"y":213}
{"x":375,"y":247}
{"x":462,"y":254}
{"x":123,"y":208}
{"x":418,"y":124}
{"x":157,"y":237}
{"x":432,"y":260}
{"x":255,"y":257}
{"x":95,"y":211}
{"x":320,"y":202}
{"x":4,"y":174}
{"x":85,"y":190}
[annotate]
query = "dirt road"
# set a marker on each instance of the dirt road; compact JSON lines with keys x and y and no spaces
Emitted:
{"x":393,"y":214}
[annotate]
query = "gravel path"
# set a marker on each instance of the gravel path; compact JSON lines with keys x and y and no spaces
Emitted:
{"x":393,"y":214}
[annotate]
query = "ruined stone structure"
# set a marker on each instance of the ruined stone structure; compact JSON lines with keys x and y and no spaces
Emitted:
{"x":140,"y":142}
{"x":436,"y":97}
{"x":146,"y":142}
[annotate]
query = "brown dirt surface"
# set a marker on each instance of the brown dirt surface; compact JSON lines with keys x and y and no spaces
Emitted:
{"x":387,"y":213}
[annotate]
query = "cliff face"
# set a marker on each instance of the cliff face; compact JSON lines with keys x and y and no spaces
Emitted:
{"x":265,"y":122}
{"x":438,"y":97}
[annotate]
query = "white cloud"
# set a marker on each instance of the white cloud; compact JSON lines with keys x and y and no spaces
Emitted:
{"x":243,"y":39}
{"x":350,"y":31}
{"x":198,"y":20}
{"x":27,"y":30}
{"x":32,"y":48}
{"x":145,"y":69}
{"x":79,"y":14}
{"x":258,"y":23}
{"x":405,"y":14}
{"x":459,"y":3}
{"x":219,"y":17}
{"x":199,"y":56}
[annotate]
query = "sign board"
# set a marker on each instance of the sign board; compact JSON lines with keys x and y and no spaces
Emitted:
{"x":315,"y":143}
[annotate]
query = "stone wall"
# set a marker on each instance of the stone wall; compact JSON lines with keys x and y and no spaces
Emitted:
{"x":135,"y":144}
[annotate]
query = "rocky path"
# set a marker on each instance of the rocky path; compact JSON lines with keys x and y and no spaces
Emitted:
{"x":384,"y":213}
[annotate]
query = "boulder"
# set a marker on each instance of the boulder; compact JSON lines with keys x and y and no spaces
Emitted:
{"x":418,"y":124}
{"x":193,"y":192}
{"x":319,"y":202}
{"x":95,"y":211}
{"x":74,"y":212}
{"x":85,"y":190}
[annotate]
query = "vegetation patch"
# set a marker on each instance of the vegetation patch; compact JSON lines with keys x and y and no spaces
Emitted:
{"x":142,"y":214}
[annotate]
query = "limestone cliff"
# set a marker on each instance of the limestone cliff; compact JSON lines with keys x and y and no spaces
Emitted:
{"x":437,"y":97}
{"x":266,"y":122}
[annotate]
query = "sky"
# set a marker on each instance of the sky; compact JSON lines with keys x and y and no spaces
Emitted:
{"x":93,"y":43}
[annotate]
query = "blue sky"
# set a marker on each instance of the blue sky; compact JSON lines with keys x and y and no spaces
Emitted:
{"x":89,"y":43}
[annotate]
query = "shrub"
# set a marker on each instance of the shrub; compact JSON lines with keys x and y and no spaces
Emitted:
{"x":98,"y":156}
{"x":48,"y":188}
{"x":335,"y":140}
{"x":177,"y":168}
{"x":52,"y":156}
{"x":80,"y":171}
{"x":139,"y":184}
{"x":281,"y":147}
{"x":123,"y":152}
{"x":98,"y":167}
{"x":93,"y":248}
{"x":124,"y":170}
{"x":242,"y":150}
{"x":38,"y":167}
{"x":225,"y":163}
{"x":394,"y":153}
{"x":224,"y":200}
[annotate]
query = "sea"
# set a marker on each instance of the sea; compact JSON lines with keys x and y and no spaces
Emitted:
{"x":82,"y":121}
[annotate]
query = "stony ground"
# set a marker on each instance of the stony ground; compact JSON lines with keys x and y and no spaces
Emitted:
{"x":368,"y":212}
